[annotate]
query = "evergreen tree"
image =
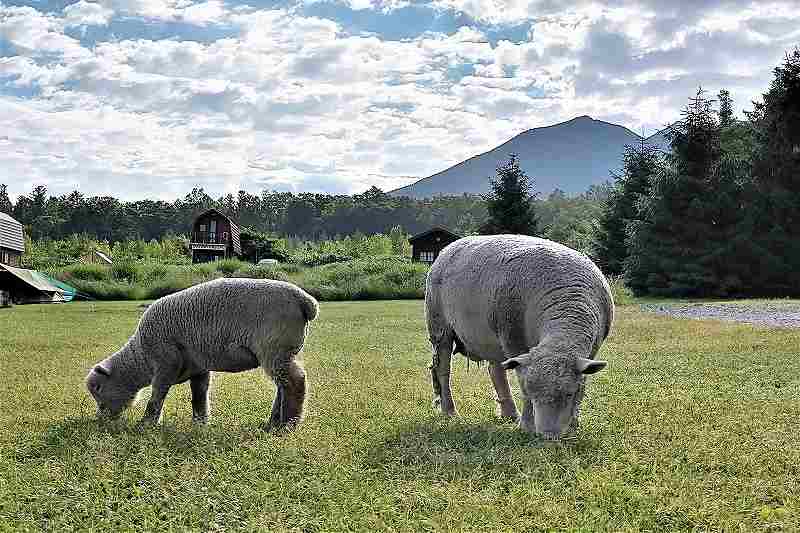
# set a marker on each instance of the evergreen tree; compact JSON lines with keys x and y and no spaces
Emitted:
{"x":5,"y":202}
{"x":639,"y":164}
{"x":398,"y":237}
{"x":678,"y":244}
{"x":725,"y":108}
{"x":510,"y":204}
{"x":775,"y":215}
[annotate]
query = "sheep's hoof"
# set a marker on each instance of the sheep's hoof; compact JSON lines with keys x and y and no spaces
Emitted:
{"x":200,"y":421}
{"x":507,"y":411}
{"x":446,"y":411}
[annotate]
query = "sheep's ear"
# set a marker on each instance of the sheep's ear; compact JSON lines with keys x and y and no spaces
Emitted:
{"x":589,"y":366}
{"x":100,"y":369}
{"x":514,"y":362}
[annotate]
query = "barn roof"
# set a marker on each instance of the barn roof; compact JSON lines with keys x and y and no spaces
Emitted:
{"x":434,"y":229}
{"x":11,"y":234}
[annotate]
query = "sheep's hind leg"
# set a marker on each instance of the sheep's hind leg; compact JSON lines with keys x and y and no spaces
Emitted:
{"x":199,"y":385}
{"x":506,"y":408}
{"x":290,"y":381}
{"x":440,"y":376}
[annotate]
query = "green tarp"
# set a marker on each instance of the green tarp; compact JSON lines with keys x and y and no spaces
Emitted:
{"x":27,"y":286}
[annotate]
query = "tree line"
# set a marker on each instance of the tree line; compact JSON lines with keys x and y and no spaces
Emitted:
{"x":304,"y":216}
{"x":719,"y":215}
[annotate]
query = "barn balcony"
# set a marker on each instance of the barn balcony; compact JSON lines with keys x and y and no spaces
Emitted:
{"x":208,"y":241}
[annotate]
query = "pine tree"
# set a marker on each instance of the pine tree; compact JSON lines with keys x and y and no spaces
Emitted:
{"x":639,"y":165}
{"x":398,"y":238}
{"x":725,"y":108}
{"x":510,"y":204}
{"x":677,"y":245}
{"x":5,"y":202}
{"x":776,"y":170}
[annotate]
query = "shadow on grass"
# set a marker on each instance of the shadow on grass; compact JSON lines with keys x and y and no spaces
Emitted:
{"x":74,"y":435}
{"x":448,"y":448}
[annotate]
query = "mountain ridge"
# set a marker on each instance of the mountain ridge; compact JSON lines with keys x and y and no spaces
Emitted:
{"x":547,"y":154}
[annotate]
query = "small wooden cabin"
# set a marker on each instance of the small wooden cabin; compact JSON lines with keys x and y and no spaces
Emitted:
{"x":426,"y":246}
{"x":215,"y":236}
{"x":12,"y":241}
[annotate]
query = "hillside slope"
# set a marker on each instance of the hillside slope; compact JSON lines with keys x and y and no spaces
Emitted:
{"x":569,"y":156}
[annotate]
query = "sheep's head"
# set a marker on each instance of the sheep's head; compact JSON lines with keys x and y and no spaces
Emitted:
{"x":112,"y":395}
{"x":554,"y":383}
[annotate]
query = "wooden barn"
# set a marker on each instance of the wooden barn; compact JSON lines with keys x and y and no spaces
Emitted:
{"x":12,"y":241}
{"x":215,"y":236}
{"x":425,"y":246}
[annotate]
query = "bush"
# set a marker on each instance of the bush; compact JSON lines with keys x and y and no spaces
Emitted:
{"x":229,"y":266}
{"x":125,"y":271}
{"x":110,"y":290}
{"x":262,"y":272}
{"x":621,"y":293}
{"x":86,"y":272}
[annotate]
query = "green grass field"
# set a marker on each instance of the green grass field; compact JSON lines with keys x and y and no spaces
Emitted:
{"x":694,"y":425}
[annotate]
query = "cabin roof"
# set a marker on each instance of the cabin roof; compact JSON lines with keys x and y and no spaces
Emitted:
{"x":434,"y":229}
{"x":11,"y":233}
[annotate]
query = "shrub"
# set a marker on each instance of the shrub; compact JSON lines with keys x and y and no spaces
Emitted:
{"x":86,"y":272}
{"x":110,"y":290}
{"x":229,"y":266}
{"x":125,"y":271}
{"x":621,"y":293}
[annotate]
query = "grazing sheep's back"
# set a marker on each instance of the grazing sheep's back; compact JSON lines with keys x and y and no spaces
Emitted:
{"x":514,"y":290}
{"x":207,"y":318}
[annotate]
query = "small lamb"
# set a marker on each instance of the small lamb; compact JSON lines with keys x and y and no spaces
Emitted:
{"x":225,"y":325}
{"x":524,"y":303}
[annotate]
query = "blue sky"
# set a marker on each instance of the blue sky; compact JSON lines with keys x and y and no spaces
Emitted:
{"x":149,"y":98}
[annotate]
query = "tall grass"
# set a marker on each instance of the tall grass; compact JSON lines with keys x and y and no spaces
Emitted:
{"x":368,"y":278}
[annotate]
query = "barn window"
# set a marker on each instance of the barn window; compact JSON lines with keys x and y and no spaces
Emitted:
{"x":426,"y":257}
{"x":202,"y":227}
{"x":225,"y":236}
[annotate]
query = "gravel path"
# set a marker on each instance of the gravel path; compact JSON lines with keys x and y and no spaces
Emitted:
{"x":770,"y":314}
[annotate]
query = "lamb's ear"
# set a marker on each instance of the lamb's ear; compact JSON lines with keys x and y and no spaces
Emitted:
{"x":514,"y":362}
{"x":100,"y":369}
{"x":589,"y":366}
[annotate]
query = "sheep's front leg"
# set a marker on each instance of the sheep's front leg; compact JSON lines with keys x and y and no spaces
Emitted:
{"x":527,"y":422}
{"x":505,"y":401}
{"x":440,"y":376}
{"x":152,"y":414}
{"x":199,"y":384}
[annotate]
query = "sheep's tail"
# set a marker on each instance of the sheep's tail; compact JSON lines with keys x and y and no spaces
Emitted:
{"x":308,"y":304}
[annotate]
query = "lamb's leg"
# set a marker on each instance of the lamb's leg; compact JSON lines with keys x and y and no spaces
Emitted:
{"x":505,"y":401}
{"x":527,"y":422}
{"x":440,"y":376}
{"x":152,"y":414}
{"x":290,"y":382}
{"x":199,"y":384}
{"x":573,"y":425}
{"x":294,"y":394}
{"x":277,"y":408}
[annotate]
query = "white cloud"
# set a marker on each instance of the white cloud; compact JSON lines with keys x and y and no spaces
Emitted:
{"x":297,"y":102}
{"x":85,"y":13}
{"x":34,"y":34}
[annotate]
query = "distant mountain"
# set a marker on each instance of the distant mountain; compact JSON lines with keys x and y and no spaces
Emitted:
{"x":569,"y":156}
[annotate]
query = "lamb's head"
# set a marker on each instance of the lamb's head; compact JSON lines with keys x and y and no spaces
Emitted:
{"x":112,"y":394}
{"x":554,"y":383}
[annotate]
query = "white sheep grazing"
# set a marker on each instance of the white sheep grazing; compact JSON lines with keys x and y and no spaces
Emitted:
{"x":524,"y":303}
{"x":225,"y":325}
